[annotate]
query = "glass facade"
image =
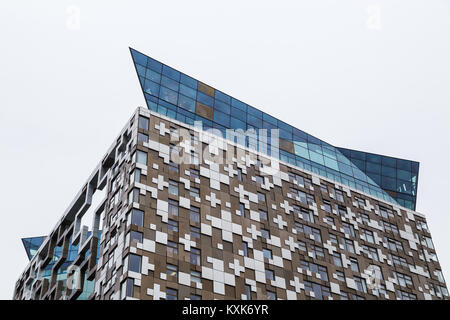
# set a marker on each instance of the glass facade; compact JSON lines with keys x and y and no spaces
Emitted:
{"x":178,"y":96}
{"x":32,"y":245}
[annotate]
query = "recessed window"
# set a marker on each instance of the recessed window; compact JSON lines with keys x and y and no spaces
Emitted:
{"x":134,"y":263}
{"x":142,"y":137}
{"x":195,"y":256}
{"x":173,"y":207}
{"x":337,"y":259}
{"x":173,"y":166}
{"x":245,"y":248}
{"x":239,"y":174}
{"x":242,"y":209}
{"x":195,"y":297}
{"x":348,"y":229}
{"x":194,"y":173}
{"x":194,"y":214}
{"x":194,"y":192}
{"x":248,"y":292}
{"x":259,"y":180}
{"x":172,"y":225}
{"x":265,"y":233}
{"x":171,"y":294}
{"x":327,"y":206}
{"x":262,"y":214}
{"x":196,"y":277}
{"x":261,"y":197}
{"x":194,"y":232}
{"x":267,"y":253}
{"x":141,"y":157}
{"x":136,"y":236}
{"x":137,"y":217}
{"x":270,"y":275}
{"x":360,"y":284}
{"x":171,"y":270}
{"x":271,"y":295}
{"x":354,"y":265}
{"x":143,"y":123}
{"x":340,"y":276}
{"x":172,"y":248}
{"x":173,"y":187}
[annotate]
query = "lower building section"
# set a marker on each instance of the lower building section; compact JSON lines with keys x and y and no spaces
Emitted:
{"x":175,"y":212}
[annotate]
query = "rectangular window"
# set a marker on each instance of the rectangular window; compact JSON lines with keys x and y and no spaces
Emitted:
{"x":134,"y":263}
{"x":171,"y":294}
{"x":371,"y":252}
{"x":323,"y":189}
{"x":310,"y":199}
{"x":261,"y":197}
{"x":194,"y":232}
{"x":265,"y":233}
{"x":194,"y":214}
{"x":301,"y":246}
{"x":245,"y":248}
{"x":262,"y":214}
{"x":348,"y":229}
{"x":137,"y":217}
{"x":271,"y":295}
{"x":340,"y":276}
{"x":317,"y":251}
{"x":141,"y":157}
{"x":173,"y":207}
{"x":173,"y":187}
{"x":368,"y":235}
{"x":320,"y":292}
{"x":242,"y":209}
{"x":173,"y":166}
{"x":334,"y":239}
{"x":195,"y":256}
{"x":310,"y":231}
{"x":364,"y":217}
{"x":267,"y":253}
{"x":194,"y":173}
{"x":194,"y":192}
{"x":270,"y":275}
{"x":248,"y":292}
{"x":348,"y":245}
{"x":360,"y":284}
{"x":315,"y":268}
{"x":172,"y":248}
{"x":239,"y":174}
{"x":354,"y":265}
{"x":339,"y":195}
{"x":172,"y":225}
{"x":337,"y":259}
{"x":393,"y":245}
{"x":195,"y":276}
{"x":143,"y":123}
{"x":403,"y":280}
{"x":195,"y":297}
{"x":327,"y":206}
{"x":135,"y":236}
{"x":142,"y":137}
{"x":171,"y":270}
{"x":259,"y":180}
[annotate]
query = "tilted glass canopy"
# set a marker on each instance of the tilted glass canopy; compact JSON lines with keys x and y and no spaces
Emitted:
{"x":181,"y":97}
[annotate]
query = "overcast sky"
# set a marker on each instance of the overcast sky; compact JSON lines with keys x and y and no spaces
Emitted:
{"x":367,"y":75}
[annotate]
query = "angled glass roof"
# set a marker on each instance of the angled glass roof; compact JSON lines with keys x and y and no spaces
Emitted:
{"x":32,"y":245}
{"x":181,"y":97}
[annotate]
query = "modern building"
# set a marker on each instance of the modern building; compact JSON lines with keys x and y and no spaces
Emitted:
{"x":202,"y":196}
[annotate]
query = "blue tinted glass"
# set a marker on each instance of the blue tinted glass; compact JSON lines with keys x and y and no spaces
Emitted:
{"x":151,"y":88}
{"x":205,"y":99}
{"x":404,"y":175}
{"x":376,"y":178}
{"x":139,"y":58}
{"x":388,"y":183}
{"x":360,"y":164}
{"x":358,"y":155}
{"x":388,"y":161}
{"x":237,"y":113}
{"x":345,"y":168}
{"x":254,"y":112}
{"x":298,"y":134}
{"x":253,"y":121}
{"x":186,"y":103}
{"x":404,"y":164}
{"x":141,"y":70}
{"x":285,"y":135}
{"x":221,"y":118}
{"x":171,"y":73}
{"x":154,"y":65}
{"x":169,"y":83}
{"x":152,"y":75}
{"x":222,"y":97}
{"x":330,"y":163}
{"x":188,"y":81}
{"x":270,"y":119}
{"x":388,"y":171}
{"x":168,"y":95}
{"x":222,"y":107}
{"x":373,"y":158}
{"x":237,"y":124}
{"x":316,"y":157}
{"x":373,"y":167}
{"x":267,"y":125}
{"x":189,"y":92}
{"x":238,"y":104}
{"x":415,"y":167}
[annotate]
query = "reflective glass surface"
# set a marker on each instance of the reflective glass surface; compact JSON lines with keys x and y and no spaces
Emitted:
{"x":178,"y":96}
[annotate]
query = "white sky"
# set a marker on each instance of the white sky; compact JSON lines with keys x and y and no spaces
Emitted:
{"x":335,"y":69}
